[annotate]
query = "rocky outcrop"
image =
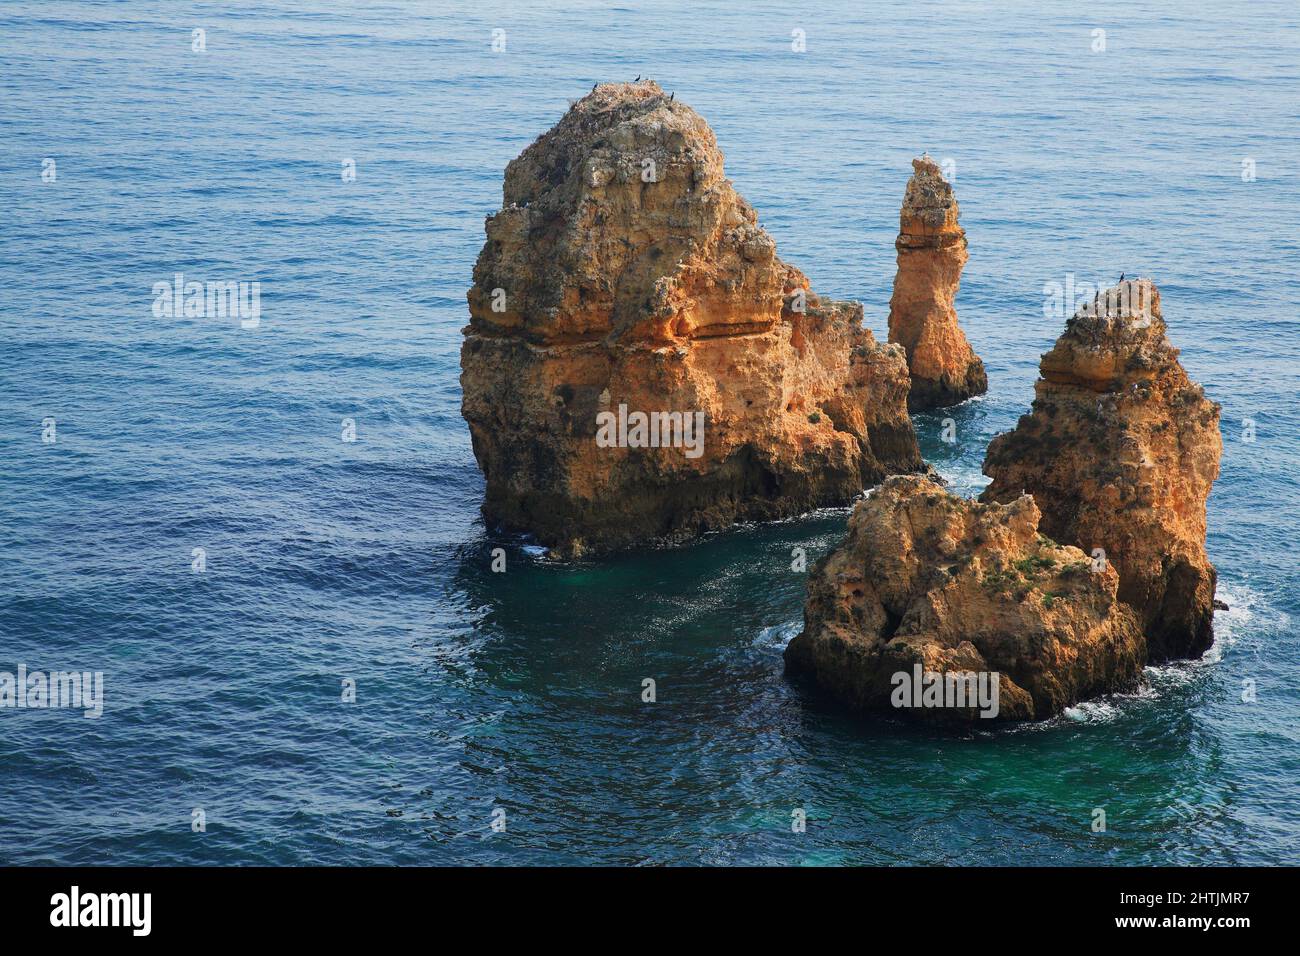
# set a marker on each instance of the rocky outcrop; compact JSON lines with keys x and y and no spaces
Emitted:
{"x":1119,"y":452}
{"x":623,"y":277}
{"x":931,"y":253}
{"x":928,"y":582}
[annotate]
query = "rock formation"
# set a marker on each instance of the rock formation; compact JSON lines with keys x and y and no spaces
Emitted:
{"x":1119,"y":452}
{"x":624,"y":277}
{"x":931,"y":252}
{"x":960,"y":587}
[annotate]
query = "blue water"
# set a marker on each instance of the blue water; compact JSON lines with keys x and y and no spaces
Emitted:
{"x":329,"y":560}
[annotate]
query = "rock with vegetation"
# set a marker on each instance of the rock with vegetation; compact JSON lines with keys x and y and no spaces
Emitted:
{"x":1119,"y":451}
{"x":930,"y":583}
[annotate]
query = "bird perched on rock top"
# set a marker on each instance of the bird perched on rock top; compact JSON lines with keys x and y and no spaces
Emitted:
{"x":1121,"y":277}
{"x":638,"y":78}
{"x":672,"y":96}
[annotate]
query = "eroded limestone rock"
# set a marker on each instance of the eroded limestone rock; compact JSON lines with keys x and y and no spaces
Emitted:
{"x":1120,"y":451}
{"x":624,"y":275}
{"x":922,"y":318}
{"x":961,"y":587}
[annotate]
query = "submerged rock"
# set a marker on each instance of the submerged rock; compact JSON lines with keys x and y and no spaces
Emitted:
{"x":931,"y":253}
{"x":927,"y":582}
{"x":1119,"y":452}
{"x":639,"y":365}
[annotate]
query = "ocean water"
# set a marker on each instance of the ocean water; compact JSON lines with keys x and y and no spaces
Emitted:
{"x":516,"y":697}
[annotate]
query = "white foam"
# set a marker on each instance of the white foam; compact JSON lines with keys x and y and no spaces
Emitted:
{"x":967,"y":482}
{"x":1173,"y":673}
{"x":1092,"y":711}
{"x":778,"y":635}
{"x":1248,"y":619}
{"x":1247,"y":616}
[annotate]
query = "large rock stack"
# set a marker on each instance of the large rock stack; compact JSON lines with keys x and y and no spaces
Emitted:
{"x":623,"y":277}
{"x":1119,"y":452}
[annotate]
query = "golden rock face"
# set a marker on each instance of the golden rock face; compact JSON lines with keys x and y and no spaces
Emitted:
{"x":624,"y":274}
{"x":929,"y":580}
{"x":1120,"y":451}
{"x":922,"y":318}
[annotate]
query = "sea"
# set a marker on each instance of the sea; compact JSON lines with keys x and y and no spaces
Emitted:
{"x":264,"y":530}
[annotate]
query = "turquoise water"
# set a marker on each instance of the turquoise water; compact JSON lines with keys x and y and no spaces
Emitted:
{"x":329,"y":560}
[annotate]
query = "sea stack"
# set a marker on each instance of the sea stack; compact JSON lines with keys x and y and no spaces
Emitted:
{"x":931,"y":248}
{"x":930,"y":591}
{"x":639,"y":365}
{"x":1119,"y":452}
